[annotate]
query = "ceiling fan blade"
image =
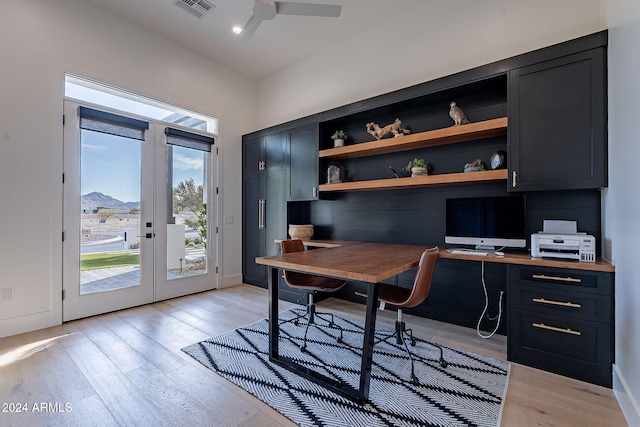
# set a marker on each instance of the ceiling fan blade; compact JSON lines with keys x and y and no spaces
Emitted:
{"x":308,"y":9}
{"x":248,"y":30}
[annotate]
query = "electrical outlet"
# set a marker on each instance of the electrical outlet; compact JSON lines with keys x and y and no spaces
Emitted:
{"x":5,"y":294}
{"x":228,"y":220}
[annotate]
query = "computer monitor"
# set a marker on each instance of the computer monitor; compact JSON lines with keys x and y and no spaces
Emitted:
{"x":486,"y":223}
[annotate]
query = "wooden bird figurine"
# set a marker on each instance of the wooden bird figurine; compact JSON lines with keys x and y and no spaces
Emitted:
{"x":457,"y":115}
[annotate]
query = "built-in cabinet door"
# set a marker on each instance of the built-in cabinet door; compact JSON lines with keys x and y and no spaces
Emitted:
{"x":276,"y":189}
{"x":252,"y":157}
{"x":253,"y":195}
{"x":253,"y":229}
{"x":275,"y":218}
{"x":303,"y":146}
{"x":557,"y":124}
{"x":264,"y":193}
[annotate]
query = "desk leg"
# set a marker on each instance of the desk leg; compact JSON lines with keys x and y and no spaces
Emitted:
{"x":369,"y":338}
{"x":273,"y":313}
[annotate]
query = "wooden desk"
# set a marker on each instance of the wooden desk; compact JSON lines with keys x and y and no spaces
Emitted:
{"x":526,"y":259}
{"x":366,"y":262}
{"x":519,"y":258}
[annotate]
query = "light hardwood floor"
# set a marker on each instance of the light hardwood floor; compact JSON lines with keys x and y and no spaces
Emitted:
{"x":126,"y":369}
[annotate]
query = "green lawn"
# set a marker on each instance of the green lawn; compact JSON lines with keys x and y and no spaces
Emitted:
{"x":95,"y":261}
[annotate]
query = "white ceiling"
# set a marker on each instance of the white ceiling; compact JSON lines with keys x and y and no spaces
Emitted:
{"x":276,"y":44}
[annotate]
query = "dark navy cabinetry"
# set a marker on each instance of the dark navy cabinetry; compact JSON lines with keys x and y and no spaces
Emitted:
{"x":562,"y":320}
{"x":264,"y":193}
{"x":546,"y":109}
{"x":557,"y":124}
{"x":303,"y":161}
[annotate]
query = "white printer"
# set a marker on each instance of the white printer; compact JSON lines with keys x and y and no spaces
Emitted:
{"x":559,"y":239}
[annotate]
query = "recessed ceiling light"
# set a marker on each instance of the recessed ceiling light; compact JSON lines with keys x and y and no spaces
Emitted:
{"x":236,"y":30}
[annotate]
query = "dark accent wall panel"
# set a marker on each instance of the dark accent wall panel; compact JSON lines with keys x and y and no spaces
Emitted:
{"x":417,"y":216}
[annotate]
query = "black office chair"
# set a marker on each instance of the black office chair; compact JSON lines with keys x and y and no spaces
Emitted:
{"x":312,"y":284}
{"x":403,"y":297}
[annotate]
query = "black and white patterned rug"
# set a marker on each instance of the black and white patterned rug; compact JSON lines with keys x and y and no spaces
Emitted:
{"x":469,"y":392}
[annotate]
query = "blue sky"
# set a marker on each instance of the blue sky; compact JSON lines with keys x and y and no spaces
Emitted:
{"x":111,"y":165}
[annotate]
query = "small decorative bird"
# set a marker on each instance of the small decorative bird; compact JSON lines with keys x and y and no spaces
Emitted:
{"x":457,"y":115}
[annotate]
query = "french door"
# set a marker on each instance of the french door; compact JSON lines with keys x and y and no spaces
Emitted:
{"x":139,"y":223}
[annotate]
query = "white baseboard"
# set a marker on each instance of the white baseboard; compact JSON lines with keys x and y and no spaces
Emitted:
{"x":627,"y":401}
{"x":28,"y":323}
{"x":228,"y":281}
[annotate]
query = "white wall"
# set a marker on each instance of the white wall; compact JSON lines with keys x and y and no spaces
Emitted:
{"x":39,"y":41}
{"x":430,"y":41}
{"x":622,"y":198}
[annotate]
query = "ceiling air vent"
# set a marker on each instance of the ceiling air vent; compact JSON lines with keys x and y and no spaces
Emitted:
{"x":197,"y":8}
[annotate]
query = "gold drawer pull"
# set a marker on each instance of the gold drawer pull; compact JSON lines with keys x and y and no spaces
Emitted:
{"x":552,"y":302}
{"x":553,"y":328}
{"x":562,"y":279}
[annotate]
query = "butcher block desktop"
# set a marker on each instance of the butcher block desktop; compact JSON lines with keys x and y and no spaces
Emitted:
{"x":517,"y":258}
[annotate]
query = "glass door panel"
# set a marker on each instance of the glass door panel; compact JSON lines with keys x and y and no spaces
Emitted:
{"x":187,"y":210}
{"x":107,"y":259}
{"x":187,"y":223}
{"x":110,"y":230}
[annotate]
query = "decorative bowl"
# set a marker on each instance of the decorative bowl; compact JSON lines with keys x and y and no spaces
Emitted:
{"x":302,"y":232}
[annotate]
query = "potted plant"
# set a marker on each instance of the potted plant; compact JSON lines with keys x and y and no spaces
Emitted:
{"x":338,"y":138}
{"x":418,"y":167}
{"x":474,"y":166}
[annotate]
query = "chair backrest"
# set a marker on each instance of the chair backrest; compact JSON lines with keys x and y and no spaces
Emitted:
{"x":293,"y":278}
{"x":422,"y":283}
{"x":310,"y":282}
{"x":293,"y":245}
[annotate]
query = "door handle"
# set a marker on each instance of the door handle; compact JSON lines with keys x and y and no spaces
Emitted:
{"x":261,"y":204}
{"x":148,"y":236}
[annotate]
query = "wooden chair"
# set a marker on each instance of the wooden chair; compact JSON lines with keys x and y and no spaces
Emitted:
{"x":403,"y":297}
{"x":311,"y":284}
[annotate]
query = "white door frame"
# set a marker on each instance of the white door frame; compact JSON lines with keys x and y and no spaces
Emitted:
{"x":154,"y":285}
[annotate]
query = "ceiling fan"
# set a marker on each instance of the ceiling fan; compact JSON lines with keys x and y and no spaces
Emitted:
{"x":264,"y":10}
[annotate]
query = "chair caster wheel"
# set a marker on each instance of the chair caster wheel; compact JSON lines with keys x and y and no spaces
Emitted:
{"x":444,"y":363}
{"x":413,"y":343}
{"x":339,"y":340}
{"x":414,"y":380}
{"x":303,"y":349}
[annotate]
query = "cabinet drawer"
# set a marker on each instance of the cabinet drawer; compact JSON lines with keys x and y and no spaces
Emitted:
{"x":563,"y":279}
{"x":575,"y":348}
{"x":574,"y":305}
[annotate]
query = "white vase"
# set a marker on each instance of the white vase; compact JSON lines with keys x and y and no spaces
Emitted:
{"x":418,"y":171}
{"x":338,"y":142}
{"x":302,"y":232}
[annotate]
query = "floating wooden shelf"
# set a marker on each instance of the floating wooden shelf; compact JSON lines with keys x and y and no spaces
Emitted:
{"x":419,"y":181}
{"x":432,"y":138}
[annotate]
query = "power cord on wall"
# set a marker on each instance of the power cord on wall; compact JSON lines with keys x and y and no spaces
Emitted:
{"x":486,"y":307}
